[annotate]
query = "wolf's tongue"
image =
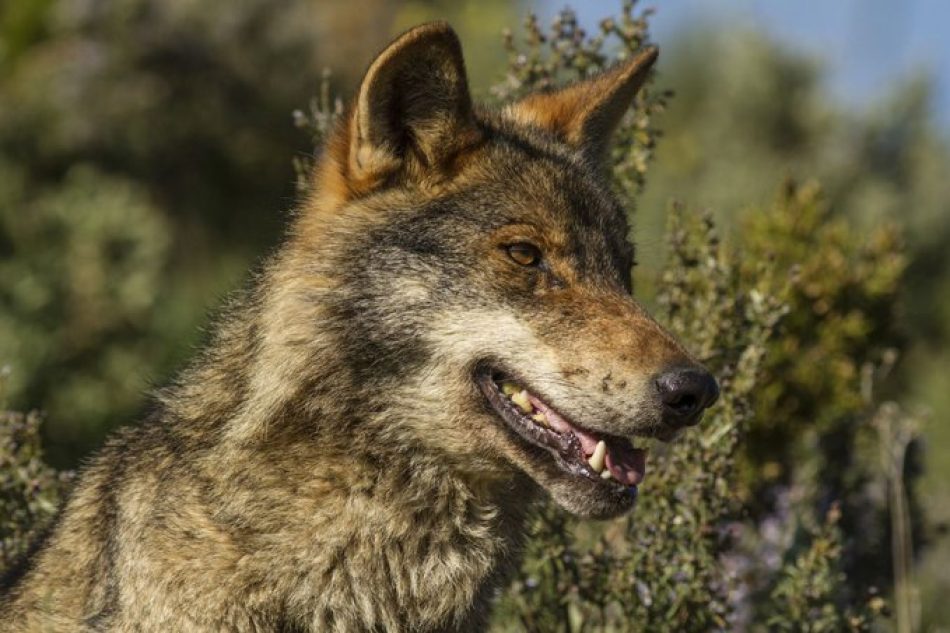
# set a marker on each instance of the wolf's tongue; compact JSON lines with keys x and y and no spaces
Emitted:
{"x":626,"y":463}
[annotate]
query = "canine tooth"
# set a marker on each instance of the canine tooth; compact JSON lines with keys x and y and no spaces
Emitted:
{"x":540,"y":418}
{"x":521,"y":399}
{"x":596,"y":460}
{"x":509,"y":388}
{"x":606,"y":474}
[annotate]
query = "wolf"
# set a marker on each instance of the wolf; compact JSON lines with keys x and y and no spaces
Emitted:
{"x":446,"y":334}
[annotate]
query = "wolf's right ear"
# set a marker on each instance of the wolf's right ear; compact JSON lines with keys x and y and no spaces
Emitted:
{"x":413,"y":113}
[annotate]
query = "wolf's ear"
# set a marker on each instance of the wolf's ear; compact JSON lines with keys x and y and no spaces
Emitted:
{"x":413,"y":110}
{"x":586,"y":114}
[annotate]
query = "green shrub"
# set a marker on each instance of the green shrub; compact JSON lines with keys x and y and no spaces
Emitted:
{"x":30,"y":490}
{"x":80,"y":280}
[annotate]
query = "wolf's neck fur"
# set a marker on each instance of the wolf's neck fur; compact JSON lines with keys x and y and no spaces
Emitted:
{"x":345,"y":527}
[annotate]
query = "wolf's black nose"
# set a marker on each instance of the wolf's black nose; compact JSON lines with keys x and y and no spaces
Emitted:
{"x":685,"y":393}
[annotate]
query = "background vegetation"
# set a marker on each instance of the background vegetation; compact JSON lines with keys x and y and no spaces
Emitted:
{"x":146,"y":161}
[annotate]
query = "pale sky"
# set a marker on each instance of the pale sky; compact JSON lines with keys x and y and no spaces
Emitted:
{"x":868,"y":45}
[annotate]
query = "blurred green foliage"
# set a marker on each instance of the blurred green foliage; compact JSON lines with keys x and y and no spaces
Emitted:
{"x":841,"y":289}
{"x":146,"y":147}
{"x":748,"y":112}
{"x":79,"y":282}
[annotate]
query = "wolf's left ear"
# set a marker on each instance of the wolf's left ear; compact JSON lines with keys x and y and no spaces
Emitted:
{"x":586,"y":114}
{"x":413,"y":110}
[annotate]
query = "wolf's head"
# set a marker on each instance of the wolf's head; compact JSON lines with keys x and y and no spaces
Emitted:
{"x":474,"y":277}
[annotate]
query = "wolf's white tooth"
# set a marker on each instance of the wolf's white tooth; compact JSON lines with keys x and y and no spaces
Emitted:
{"x":540,"y":418}
{"x":597,"y":460}
{"x":522,"y":401}
{"x":509,"y":388}
{"x":606,"y":474}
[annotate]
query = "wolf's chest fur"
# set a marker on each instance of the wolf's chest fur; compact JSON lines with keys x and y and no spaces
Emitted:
{"x":432,"y":563}
{"x":422,"y":551}
{"x":267,"y":539}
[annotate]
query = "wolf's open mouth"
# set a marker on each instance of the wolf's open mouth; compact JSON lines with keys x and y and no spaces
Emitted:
{"x":606,"y":459}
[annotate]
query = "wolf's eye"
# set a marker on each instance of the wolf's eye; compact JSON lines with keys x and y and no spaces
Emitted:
{"x":524,"y":254}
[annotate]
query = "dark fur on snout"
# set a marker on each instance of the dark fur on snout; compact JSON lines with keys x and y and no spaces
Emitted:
{"x":330,"y":463}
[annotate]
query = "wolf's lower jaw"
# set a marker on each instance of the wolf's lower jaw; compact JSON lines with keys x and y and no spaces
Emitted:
{"x":610,"y":461}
